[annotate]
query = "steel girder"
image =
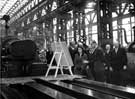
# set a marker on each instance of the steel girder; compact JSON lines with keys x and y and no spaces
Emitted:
{"x":104,"y":19}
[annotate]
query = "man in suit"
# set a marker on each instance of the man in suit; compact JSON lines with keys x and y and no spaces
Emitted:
{"x":96,"y":62}
{"x":118,"y":63}
{"x":108,"y":61}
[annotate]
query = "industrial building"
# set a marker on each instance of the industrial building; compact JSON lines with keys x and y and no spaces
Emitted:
{"x":67,"y":49}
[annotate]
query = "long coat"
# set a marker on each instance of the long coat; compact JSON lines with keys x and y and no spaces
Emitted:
{"x":108,"y":58}
{"x":119,"y":59}
{"x":98,"y":57}
{"x":108,"y":64}
{"x":78,"y":62}
{"x":96,"y":62}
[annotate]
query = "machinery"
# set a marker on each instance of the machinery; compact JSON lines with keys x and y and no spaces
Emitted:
{"x":17,"y":53}
{"x":131,"y":60}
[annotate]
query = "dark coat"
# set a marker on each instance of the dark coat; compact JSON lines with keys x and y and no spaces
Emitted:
{"x":78,"y":61}
{"x":97,"y":55}
{"x":119,"y":59}
{"x":96,"y":62}
{"x":108,"y":58}
{"x":99,"y":59}
{"x":80,"y":67}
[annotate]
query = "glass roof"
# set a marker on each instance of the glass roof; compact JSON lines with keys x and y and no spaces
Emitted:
{"x":6,"y":5}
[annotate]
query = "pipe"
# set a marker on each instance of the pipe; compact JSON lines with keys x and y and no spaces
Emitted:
{"x":125,"y":34}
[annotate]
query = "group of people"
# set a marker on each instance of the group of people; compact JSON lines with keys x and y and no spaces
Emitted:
{"x":96,"y":63}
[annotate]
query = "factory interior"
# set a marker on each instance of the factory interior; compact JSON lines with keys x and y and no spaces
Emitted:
{"x":67,"y":49}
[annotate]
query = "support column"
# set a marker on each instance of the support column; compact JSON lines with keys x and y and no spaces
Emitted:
{"x":62,"y":18}
{"x":104,"y":19}
{"x":79,"y":25}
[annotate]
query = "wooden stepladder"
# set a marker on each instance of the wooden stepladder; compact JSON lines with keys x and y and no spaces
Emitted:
{"x":62,"y":62}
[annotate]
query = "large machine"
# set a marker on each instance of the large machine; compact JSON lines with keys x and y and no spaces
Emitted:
{"x":131,"y":60}
{"x":17,"y":53}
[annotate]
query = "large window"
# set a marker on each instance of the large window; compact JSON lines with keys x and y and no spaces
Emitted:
{"x":126,"y":24}
{"x":123,"y":24}
{"x":91,"y":26}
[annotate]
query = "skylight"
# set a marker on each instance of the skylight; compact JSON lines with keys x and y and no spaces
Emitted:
{"x":5,"y":6}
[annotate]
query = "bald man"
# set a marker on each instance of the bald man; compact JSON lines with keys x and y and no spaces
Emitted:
{"x":118,"y":63}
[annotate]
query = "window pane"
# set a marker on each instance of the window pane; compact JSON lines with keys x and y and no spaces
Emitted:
{"x":94,"y":29}
{"x":114,"y":14}
{"x":95,"y":37}
{"x":126,"y":21}
{"x":115,"y":36}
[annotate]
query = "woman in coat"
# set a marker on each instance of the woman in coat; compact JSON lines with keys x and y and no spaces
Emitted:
{"x":80,"y":57}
